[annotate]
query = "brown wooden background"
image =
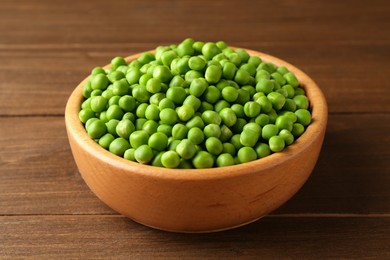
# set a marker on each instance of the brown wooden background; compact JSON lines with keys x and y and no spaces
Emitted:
{"x":47,"y":47}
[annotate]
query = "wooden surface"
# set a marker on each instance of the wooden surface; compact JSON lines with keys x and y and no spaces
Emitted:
{"x":48,"y":47}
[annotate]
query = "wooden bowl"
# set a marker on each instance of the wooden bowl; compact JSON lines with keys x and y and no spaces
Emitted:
{"x":199,"y":200}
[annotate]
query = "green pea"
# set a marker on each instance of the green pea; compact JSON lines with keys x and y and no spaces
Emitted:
{"x":213,"y":74}
{"x":209,"y":50}
{"x":114,"y":100}
{"x":152,"y":112}
{"x":114,"y":112}
{"x":120,"y":87}
{"x":170,"y":159}
{"x":158,"y":141}
{"x":212,"y":130}
{"x":243,"y":96}
{"x":196,"y":121}
{"x":250,"y":68}
{"x":195,"y":135}
{"x":179,"y":131}
{"x":214,"y":145}
{"x":87,"y":89}
{"x":99,"y":81}
{"x":291,"y":79}
{"x":224,"y":159}
{"x":262,"y":120}
{"x":111,"y":126}
{"x":162,"y":73}
{"x":289,"y":105}
{"x":166,"y":103}
{"x":226,"y":133}
{"x":211,"y":117}
{"x":176,"y":94}
{"x":192,"y":101}
{"x":239,"y":125}
{"x":246,"y":154}
{"x":265,"y":85}
{"x":276,"y":143}
{"x":130,"y":116}
{"x":229,"y":148}
{"x":262,"y":150}
{"x":303,"y":116}
{"x":153,"y":85}
{"x":228,"y":116}
{"x":242,"y":77}
{"x":212,"y":94}
{"x":129,"y":154}
{"x":298,"y":91}
{"x":196,"y":63}
{"x":252,"y":109}
{"x":262,"y":74}
{"x":221,"y":104}
{"x":198,"y":86}
{"x":150,"y":126}
{"x":249,"y":137}
{"x":140,"y":93}
{"x":234,"y":58}
{"x":235,"y":141}
{"x":186,"y":149}
{"x":119,"y":146}
{"x":97,"y":70}
{"x":229,"y":70}
{"x":127,"y":103}
{"x":203,"y":160}
{"x":167,"y":57}
{"x":106,"y":140}
{"x":86,"y":114}
{"x":254,"y":60}
{"x":297,"y":130}
{"x":230,"y":94}
{"x":138,"y":138}
{"x":301,"y":102}
{"x":133,"y":75}
{"x":265,"y":103}
{"x":282,"y":70}
{"x":268,"y":131}
{"x":185,"y":112}
{"x":124,"y":128}
{"x":115,"y":76}
{"x":168,"y":116}
{"x":277,"y":100}
{"x":238,"y":110}
{"x":204,"y":106}
{"x":284,"y":122}
{"x":191,"y":75}
{"x":143,"y":154}
{"x":141,"y":110}
{"x":287,"y":136}
{"x":178,"y":81}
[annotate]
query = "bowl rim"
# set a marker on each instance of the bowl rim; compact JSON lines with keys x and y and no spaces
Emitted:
{"x":319,"y":112}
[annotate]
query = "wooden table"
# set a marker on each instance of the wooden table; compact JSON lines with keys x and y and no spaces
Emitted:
{"x":47,"y":47}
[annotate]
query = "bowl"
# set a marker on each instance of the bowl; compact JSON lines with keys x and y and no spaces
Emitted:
{"x":199,"y":200}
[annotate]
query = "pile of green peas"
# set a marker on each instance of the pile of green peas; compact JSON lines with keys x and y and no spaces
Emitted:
{"x":194,"y":105}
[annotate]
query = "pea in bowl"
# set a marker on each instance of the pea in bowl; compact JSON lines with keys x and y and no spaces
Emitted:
{"x":210,"y":198}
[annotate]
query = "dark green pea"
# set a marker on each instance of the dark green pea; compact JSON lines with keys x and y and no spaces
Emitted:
{"x":239,"y":125}
{"x":243,"y":96}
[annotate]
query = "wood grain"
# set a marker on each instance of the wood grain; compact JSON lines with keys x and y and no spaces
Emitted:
{"x":103,"y":237}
